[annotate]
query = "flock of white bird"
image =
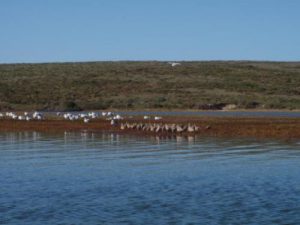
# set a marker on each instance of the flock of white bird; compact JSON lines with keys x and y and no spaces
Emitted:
{"x":24,"y":116}
{"x":86,"y":117}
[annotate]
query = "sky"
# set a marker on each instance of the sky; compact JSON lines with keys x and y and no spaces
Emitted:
{"x":101,"y":30}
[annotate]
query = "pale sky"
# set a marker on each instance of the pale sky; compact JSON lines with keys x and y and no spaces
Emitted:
{"x":96,"y":30}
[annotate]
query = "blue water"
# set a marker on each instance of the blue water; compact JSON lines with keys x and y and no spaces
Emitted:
{"x":100,"y":178}
{"x":217,"y":113}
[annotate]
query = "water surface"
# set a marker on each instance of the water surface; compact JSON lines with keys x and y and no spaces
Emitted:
{"x":102,"y":178}
{"x":217,"y":113}
{"x":213,"y":113}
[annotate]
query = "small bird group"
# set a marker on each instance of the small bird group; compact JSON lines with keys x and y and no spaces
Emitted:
{"x":155,"y":127}
{"x":23,"y":116}
{"x":88,"y":116}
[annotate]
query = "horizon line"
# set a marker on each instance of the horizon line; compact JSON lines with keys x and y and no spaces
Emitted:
{"x":149,"y":60}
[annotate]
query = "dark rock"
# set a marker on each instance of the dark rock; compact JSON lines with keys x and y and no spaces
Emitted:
{"x":216,"y":106}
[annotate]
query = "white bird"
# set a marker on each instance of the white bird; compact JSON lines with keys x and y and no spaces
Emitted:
{"x":112,"y":122}
{"x":173,"y":64}
{"x":157,"y":118}
{"x":86,"y":120}
{"x":37,"y":115}
{"x":83,"y":115}
{"x":146,"y":117}
{"x":21,"y":117}
{"x":118,"y":117}
{"x":92,"y":115}
{"x":66,"y":115}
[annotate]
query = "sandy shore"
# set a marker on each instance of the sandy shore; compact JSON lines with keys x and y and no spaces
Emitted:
{"x":283,"y":128}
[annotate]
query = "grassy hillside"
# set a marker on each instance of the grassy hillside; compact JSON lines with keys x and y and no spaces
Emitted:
{"x":155,"y":85}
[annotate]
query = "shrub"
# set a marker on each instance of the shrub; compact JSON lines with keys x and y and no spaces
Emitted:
{"x":69,"y":106}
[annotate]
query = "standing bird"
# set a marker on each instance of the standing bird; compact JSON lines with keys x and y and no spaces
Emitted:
{"x":113,"y":122}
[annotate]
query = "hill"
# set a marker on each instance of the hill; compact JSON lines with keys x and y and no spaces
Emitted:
{"x":150,"y":85}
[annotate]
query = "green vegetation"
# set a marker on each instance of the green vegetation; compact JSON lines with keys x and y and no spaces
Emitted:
{"x":151,"y":85}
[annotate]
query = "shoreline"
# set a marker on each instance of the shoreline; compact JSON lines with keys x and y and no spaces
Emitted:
{"x":282,"y":128}
{"x":163,"y":110}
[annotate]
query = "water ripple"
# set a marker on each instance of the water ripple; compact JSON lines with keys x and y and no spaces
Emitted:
{"x":103,"y":178}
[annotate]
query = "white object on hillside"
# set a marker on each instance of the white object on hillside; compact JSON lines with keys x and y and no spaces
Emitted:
{"x":173,"y":64}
